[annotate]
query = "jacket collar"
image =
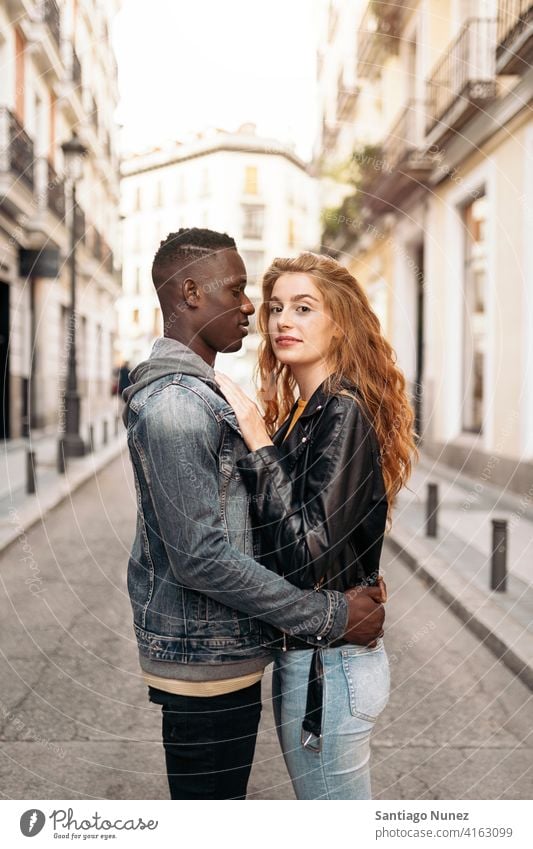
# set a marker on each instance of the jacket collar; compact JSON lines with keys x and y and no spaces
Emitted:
{"x":320,"y":397}
{"x":315,"y":404}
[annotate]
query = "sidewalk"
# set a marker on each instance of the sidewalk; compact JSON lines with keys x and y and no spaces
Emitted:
{"x":18,"y":510}
{"x":456,"y":564}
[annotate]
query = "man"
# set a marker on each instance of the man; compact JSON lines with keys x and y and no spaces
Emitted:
{"x":202,"y":604}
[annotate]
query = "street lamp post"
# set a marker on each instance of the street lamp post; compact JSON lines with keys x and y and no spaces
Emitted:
{"x":72,"y":443}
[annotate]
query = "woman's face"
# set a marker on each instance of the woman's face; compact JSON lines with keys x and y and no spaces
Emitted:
{"x":299,"y":325}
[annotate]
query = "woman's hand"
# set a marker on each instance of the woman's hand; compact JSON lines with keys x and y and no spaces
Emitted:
{"x":248,"y":414}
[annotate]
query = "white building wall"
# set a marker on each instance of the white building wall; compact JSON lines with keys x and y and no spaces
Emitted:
{"x":284,"y":189}
{"x":97,"y":194}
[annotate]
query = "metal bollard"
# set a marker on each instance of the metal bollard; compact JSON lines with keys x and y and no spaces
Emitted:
{"x":498,"y":563}
{"x":30,"y":472}
{"x":105,"y":433}
{"x":60,"y":458}
{"x":431,"y":509}
{"x":91,"y":437}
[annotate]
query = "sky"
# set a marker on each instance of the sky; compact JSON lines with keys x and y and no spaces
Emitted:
{"x":185,"y":66}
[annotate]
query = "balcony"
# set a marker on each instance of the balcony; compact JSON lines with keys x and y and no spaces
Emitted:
{"x":347,"y":93}
{"x":330,"y":134}
{"x":70,"y":89}
{"x":49,"y":196}
{"x":378,"y":36}
{"x":16,"y":165}
{"x":79,"y":224}
{"x":42,"y":29}
{"x":404,"y":164}
{"x":93,"y":241}
{"x":51,"y":17}
{"x":72,"y":66}
{"x":56,"y":193}
{"x":514,"y":51}
{"x":107,"y":256}
{"x":464,"y":80}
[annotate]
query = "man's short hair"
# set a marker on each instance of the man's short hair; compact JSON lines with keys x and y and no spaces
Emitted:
{"x":184,"y":248}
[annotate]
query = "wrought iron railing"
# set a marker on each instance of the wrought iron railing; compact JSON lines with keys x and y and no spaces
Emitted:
{"x":55,"y":192}
{"x":469,"y":60}
{"x":405,"y":136}
{"x":79,"y":224}
{"x":16,"y":148}
{"x":378,"y":35}
{"x":75,"y":69}
{"x":107,"y":256}
{"x":514,"y":16}
{"x":52,"y":19}
{"x":346,"y":96}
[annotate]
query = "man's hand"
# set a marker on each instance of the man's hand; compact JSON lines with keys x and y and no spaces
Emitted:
{"x":366,"y":614}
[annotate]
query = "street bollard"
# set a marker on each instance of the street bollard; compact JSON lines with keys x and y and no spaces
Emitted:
{"x":498,"y":564}
{"x":60,"y":458}
{"x":431,"y":509}
{"x":91,"y":437}
{"x":105,"y":434}
{"x":30,"y":472}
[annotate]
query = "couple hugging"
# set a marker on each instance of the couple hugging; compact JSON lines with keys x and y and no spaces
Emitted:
{"x":259,"y":532}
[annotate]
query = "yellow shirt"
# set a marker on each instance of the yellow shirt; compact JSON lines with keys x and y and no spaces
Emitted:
{"x":297,"y":413}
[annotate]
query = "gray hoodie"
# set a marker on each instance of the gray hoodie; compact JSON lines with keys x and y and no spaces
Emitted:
{"x":168,"y":356}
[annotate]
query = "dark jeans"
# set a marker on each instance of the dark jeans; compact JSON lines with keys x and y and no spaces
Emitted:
{"x":209,"y":742}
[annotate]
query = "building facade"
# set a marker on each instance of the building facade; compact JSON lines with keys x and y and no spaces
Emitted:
{"x":58,"y":76}
{"x":440,"y":224}
{"x":255,"y":189}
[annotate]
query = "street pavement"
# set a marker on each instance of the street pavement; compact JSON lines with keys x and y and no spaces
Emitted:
{"x":75,"y":722}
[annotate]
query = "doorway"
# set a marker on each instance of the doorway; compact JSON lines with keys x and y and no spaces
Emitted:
{"x":4,"y":360}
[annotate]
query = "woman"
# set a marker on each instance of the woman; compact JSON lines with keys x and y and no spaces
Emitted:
{"x":322,"y":489}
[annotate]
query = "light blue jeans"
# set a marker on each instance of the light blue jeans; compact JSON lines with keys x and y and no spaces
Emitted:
{"x":356,"y":690}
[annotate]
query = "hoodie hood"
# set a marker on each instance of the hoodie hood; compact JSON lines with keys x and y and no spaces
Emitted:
{"x":168,"y":356}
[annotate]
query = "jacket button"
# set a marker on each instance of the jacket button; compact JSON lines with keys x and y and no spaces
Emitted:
{"x":319,"y":407}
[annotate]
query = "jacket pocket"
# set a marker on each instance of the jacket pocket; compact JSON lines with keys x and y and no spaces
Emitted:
{"x":368,"y":679}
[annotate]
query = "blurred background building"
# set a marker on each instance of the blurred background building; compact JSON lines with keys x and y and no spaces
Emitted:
{"x":421,"y":182}
{"x":58,"y":75}
{"x":426,"y":124}
{"x":255,"y":189}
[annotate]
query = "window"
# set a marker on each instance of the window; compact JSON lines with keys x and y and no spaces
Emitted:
{"x":250,"y":180}
{"x":291,"y":239}
{"x":135,"y":316}
{"x":253,"y":222}
{"x":255,"y":265}
{"x":475,"y":320}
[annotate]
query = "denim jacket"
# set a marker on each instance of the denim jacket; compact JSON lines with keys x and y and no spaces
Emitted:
{"x":200,"y":600}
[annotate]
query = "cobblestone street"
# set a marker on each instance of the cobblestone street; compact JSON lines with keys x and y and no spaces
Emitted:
{"x":75,"y":721}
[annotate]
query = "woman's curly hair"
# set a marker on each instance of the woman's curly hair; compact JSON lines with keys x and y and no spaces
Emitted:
{"x":365,"y":358}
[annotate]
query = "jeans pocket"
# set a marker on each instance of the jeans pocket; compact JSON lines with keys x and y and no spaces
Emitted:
{"x":368,"y":678}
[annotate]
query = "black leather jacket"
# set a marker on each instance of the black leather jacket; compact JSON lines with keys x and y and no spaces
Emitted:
{"x":318,"y":499}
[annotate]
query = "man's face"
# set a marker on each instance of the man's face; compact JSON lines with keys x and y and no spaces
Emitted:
{"x":224,"y":310}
